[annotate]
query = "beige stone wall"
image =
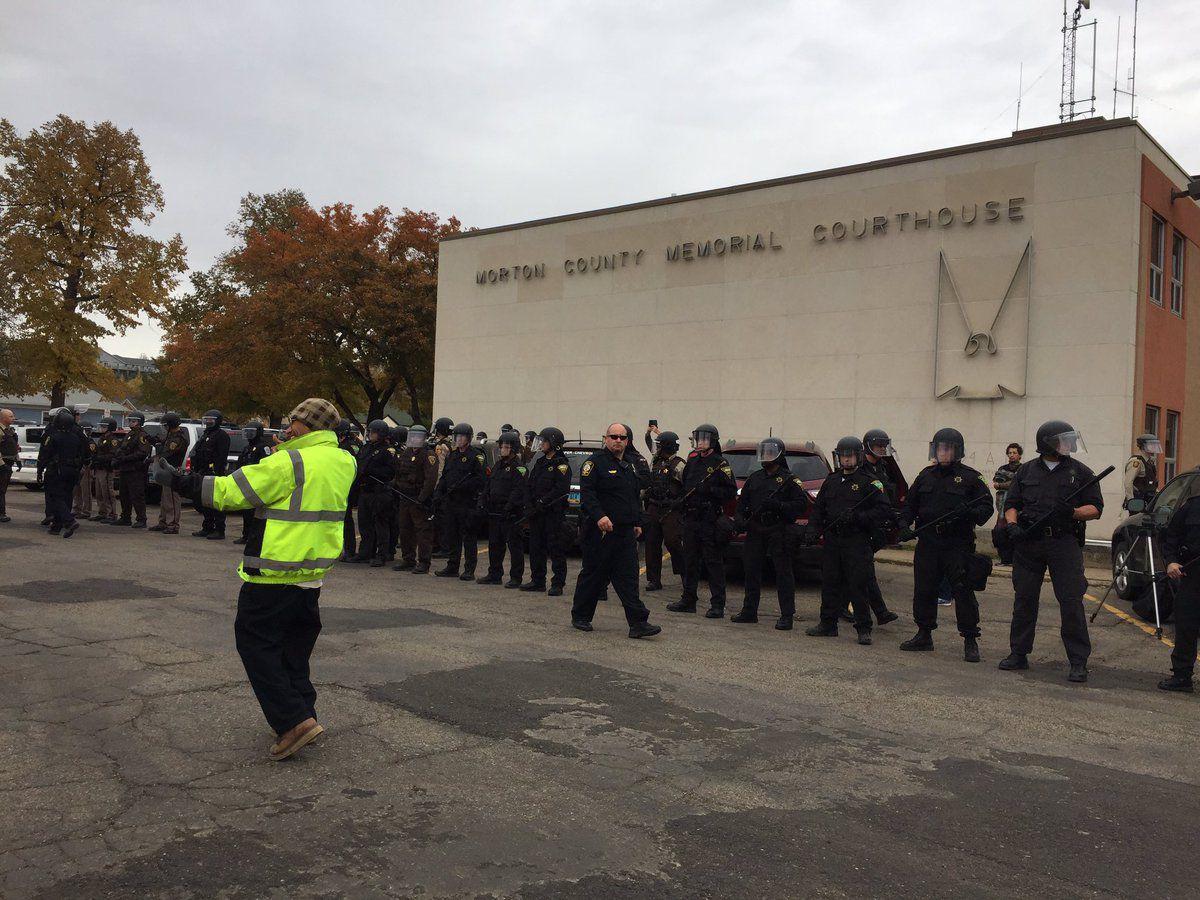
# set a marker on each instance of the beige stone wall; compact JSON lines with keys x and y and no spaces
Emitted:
{"x":818,"y":339}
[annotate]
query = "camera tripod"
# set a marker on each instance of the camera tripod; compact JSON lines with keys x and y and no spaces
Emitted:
{"x":1144,"y":533}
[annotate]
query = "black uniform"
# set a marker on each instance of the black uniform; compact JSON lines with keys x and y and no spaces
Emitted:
{"x":10,"y":457}
{"x":503,"y":502}
{"x":130,"y":461}
{"x":943,"y":549}
{"x":884,"y":477}
{"x":1180,"y":543}
{"x":661,"y":520}
{"x":546,"y":491}
{"x":712,"y":481}
{"x":255,"y":450}
{"x":348,"y":443}
{"x":455,"y":498}
{"x":1003,"y":477}
{"x":770,"y":502}
{"x":211,"y":457}
{"x":61,"y":459}
{"x":610,"y":487}
{"x":376,"y":461}
{"x":1035,"y":491}
{"x":849,"y":512}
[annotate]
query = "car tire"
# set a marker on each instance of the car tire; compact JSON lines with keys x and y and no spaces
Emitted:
{"x":1126,"y":585}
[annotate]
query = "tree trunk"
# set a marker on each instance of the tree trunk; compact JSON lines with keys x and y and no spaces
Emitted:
{"x":58,"y":396}
{"x":414,"y":409}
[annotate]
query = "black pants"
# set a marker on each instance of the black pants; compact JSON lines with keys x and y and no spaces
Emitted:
{"x":772,"y":542}
{"x":133,"y":497}
{"x":608,"y":559}
{"x":213,"y":521}
{"x":374,"y":515}
{"x":1187,"y":628}
{"x":661,"y":529}
{"x":937,"y":559}
{"x":847,"y":564}
{"x":349,"y":535}
{"x":6,"y":471}
{"x":504,"y":535}
{"x":546,"y":540}
{"x":460,"y":531}
{"x":700,"y":546}
{"x":1064,"y":559}
{"x":60,"y":488}
{"x":276,"y":629}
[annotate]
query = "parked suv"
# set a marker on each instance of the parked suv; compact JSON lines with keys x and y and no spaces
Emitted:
{"x":805,"y":459}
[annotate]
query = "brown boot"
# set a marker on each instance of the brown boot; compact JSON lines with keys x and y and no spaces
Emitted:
{"x":292,"y":740}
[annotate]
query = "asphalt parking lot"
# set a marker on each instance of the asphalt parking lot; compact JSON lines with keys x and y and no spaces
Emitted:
{"x":478,"y":746}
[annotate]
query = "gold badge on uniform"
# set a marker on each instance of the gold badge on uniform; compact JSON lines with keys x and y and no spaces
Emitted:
{"x":432,"y":459}
{"x":854,"y":487}
{"x":587,"y":468}
{"x":564,"y":468}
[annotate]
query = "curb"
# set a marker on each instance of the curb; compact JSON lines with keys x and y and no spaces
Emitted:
{"x":1095,"y":579}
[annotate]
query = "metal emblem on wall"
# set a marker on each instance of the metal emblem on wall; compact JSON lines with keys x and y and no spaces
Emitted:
{"x":981,"y":347}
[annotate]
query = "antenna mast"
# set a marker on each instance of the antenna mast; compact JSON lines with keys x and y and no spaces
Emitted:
{"x":1131,"y":77}
{"x":1067,"y":106}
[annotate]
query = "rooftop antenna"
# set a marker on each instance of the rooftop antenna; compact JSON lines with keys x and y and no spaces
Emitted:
{"x":1020,"y":90}
{"x":1131,"y":76}
{"x":1068,"y":106}
{"x":1116,"y":68}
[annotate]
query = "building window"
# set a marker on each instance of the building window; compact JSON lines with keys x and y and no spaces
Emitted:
{"x":1158,"y":240}
{"x":1177,"y":246}
{"x":1171,"y":446}
{"x":1152,"y":414}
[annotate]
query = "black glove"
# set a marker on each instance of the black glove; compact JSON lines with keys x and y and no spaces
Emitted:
{"x":1015,"y":531}
{"x":906,"y":534}
{"x":1065,"y":508}
{"x":864,"y":520}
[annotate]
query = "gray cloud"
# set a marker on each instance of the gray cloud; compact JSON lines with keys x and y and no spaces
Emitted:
{"x":501,"y":112}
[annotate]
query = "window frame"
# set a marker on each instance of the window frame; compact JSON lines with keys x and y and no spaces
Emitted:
{"x":1171,"y":445}
{"x":1158,"y":229}
{"x":1177,"y":272}
{"x":1148,"y":418}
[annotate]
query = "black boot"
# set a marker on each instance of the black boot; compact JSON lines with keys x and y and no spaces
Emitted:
{"x":922,"y":640}
{"x":1179,"y":683}
{"x":534,"y":587}
{"x":555,"y":590}
{"x":1014,"y":661}
{"x":203,"y":532}
{"x":70,"y":529}
{"x":447,"y":572}
{"x":404,"y":566}
{"x":421,"y":569}
{"x":1078,"y":673}
{"x":886,"y":616}
{"x":643,"y":629}
{"x":653,"y":586}
{"x":687,"y":606}
{"x":970,"y":649}
{"x":377,"y":563}
{"x":784,"y":623}
{"x":488,"y":579}
{"x":467,"y":576}
{"x":822,"y":630}
{"x":513,"y":583}
{"x":864,"y":637}
{"x":715,"y":612}
{"x":745,"y":617}
{"x":217,"y":536}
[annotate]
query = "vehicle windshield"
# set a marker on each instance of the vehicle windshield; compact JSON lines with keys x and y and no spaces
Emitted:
{"x":1176,"y":491}
{"x":237,"y":442}
{"x":808,"y":466}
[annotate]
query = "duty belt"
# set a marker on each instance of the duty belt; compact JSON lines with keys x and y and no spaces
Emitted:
{"x":1050,"y":531}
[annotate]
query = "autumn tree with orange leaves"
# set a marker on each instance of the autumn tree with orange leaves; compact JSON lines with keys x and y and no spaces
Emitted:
{"x":328,"y":302}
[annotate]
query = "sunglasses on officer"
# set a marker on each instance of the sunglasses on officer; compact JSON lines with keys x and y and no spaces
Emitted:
{"x":617,"y":437}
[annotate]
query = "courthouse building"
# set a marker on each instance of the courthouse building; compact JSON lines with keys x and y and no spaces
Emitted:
{"x":988,"y":287}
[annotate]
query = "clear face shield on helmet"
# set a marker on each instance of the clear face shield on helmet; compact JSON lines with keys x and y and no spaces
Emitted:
{"x":462,"y":441}
{"x":702,"y":440}
{"x":847,"y":459}
{"x":1151,"y":448}
{"x":881,"y":449}
{"x":506,"y":450}
{"x":768,"y":452}
{"x":131,"y":421}
{"x":415,"y":439}
{"x":209,"y":421}
{"x":1067,"y":442}
{"x":250,"y":433}
{"x":100,"y":428}
{"x":944,"y":452}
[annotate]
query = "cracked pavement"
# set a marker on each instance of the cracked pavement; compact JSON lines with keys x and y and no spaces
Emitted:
{"x":478,"y":746}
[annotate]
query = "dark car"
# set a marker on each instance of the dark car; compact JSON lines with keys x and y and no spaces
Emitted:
{"x":1131,"y":563}
{"x":576,"y":454}
{"x":805,"y":459}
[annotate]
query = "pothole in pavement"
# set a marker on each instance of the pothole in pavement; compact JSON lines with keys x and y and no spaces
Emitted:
{"x":346,"y":620}
{"x":85,"y":590}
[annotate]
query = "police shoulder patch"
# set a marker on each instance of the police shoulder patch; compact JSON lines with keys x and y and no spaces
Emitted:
{"x":878,"y":485}
{"x":521,"y":469}
{"x":564,"y":468}
{"x":587,"y":468}
{"x":798,"y":482}
{"x":725,"y":468}
{"x":479,"y":456}
{"x":432,"y":458}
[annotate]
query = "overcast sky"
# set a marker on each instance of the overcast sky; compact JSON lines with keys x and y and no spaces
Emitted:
{"x":499,"y":112}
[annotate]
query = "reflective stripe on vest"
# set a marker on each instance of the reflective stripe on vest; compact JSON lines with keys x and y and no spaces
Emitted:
{"x":281,"y":565}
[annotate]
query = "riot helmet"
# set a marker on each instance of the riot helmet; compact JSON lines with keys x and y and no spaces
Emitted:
{"x":135,"y":418}
{"x":462,"y":433}
{"x":171,"y":420}
{"x":418,"y":435}
{"x":398,"y":435}
{"x":706,"y":437}
{"x":877,"y":443}
{"x":1150,"y":445}
{"x":770,"y":451}
{"x":506,"y":427}
{"x":848,"y":453}
{"x":342,"y":429}
{"x":442,"y":426}
{"x":102,"y":427}
{"x":947,"y":440}
{"x":511,"y":440}
{"x":529,"y":436}
{"x":64,"y":418}
{"x":110,"y":423}
{"x":553,"y":437}
{"x":668,"y":442}
{"x":212,"y":419}
{"x":377,"y":429}
{"x":252,"y":431}
{"x":1058,"y":438}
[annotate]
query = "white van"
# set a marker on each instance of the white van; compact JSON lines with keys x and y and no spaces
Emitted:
{"x":29,"y":439}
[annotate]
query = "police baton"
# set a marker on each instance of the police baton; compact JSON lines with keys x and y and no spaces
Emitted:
{"x":954,"y":513}
{"x":399,"y":493}
{"x":1042,"y":521}
{"x":541,"y":508}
